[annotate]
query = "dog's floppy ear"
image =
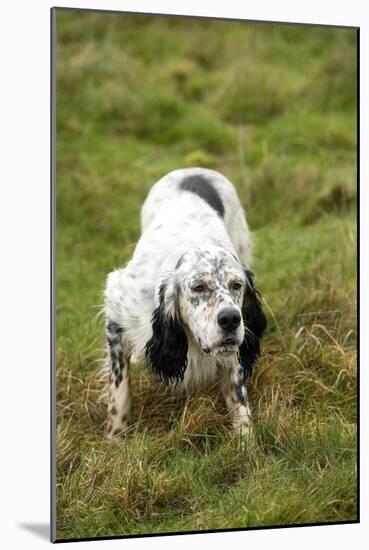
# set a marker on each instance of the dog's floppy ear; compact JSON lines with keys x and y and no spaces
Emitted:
{"x":166,"y":351}
{"x":255,"y":324}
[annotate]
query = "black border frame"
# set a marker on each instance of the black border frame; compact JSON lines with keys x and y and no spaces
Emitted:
{"x":53,"y":137}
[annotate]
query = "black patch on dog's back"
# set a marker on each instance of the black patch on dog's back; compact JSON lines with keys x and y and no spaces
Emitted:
{"x":201,"y":187}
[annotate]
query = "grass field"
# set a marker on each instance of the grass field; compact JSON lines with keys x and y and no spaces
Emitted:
{"x":273,"y":107}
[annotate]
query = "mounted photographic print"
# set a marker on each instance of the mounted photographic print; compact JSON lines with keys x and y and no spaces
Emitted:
{"x":204,"y":183}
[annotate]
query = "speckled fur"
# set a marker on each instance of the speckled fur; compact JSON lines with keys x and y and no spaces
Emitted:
{"x":152,"y":308}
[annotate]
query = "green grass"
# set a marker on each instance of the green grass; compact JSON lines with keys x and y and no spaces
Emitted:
{"x":273,"y":107}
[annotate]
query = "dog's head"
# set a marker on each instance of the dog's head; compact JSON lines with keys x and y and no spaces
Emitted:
{"x":210,"y":299}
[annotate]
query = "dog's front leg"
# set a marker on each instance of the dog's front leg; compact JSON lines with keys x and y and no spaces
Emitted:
{"x":119,"y":406}
{"x":235,"y":395}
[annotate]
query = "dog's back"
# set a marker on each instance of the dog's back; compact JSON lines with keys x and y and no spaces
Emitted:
{"x":187,"y":190}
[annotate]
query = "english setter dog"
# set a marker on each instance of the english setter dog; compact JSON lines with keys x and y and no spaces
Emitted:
{"x":186,"y":303}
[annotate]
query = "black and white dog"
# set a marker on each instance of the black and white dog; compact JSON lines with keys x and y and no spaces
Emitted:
{"x":186,"y":303}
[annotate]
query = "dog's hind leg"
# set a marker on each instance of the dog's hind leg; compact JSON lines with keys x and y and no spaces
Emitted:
{"x":239,"y":233}
{"x":119,"y":406}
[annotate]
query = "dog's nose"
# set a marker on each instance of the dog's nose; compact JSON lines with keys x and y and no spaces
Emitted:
{"x":229,"y":319}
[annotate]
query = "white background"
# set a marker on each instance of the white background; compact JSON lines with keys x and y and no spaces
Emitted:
{"x":24,"y":270}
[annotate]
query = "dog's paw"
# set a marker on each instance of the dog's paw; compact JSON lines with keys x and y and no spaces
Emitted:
{"x":116,"y":428}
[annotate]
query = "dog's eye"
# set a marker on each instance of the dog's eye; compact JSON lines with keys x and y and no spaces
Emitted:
{"x":200,"y":287}
{"x":236,"y":285}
